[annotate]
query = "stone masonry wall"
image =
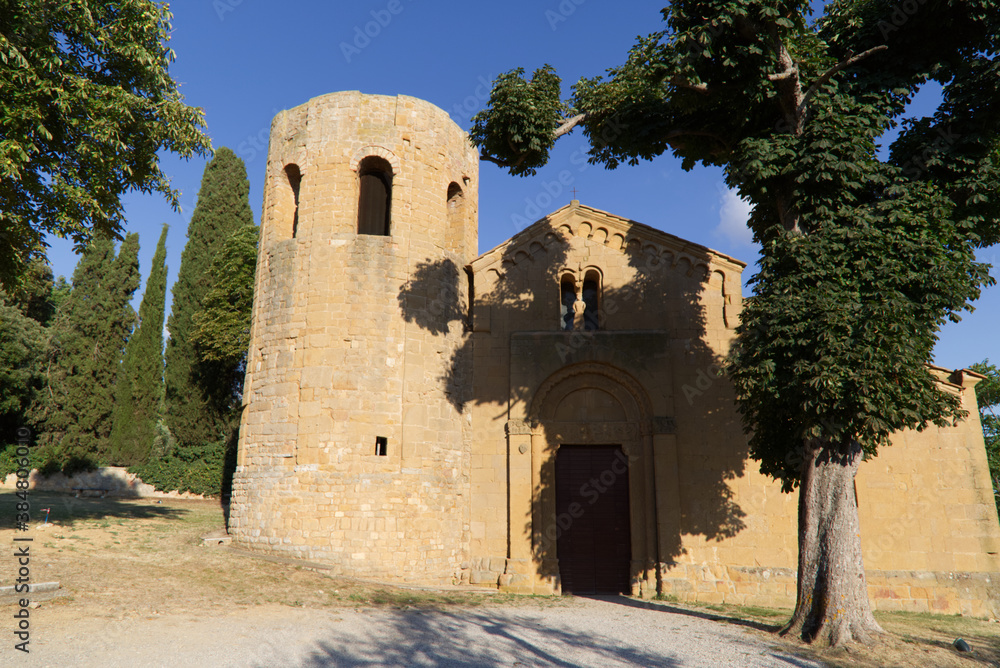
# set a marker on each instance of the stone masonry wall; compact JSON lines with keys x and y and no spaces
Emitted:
{"x":353,"y":339}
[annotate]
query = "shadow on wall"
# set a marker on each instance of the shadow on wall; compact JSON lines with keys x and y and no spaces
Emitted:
{"x":667,"y":294}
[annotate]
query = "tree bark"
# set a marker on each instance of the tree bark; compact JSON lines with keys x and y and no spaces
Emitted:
{"x":832,"y":606}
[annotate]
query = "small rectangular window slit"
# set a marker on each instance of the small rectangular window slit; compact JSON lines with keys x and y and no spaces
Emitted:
{"x":381,"y":446}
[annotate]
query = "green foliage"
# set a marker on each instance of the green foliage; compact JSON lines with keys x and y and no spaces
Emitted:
{"x":9,"y":463}
{"x":140,"y":378}
{"x":201,"y":397}
{"x":22,"y":348}
{"x":60,"y":293}
{"x":528,"y":111}
{"x":988,"y":397}
{"x":88,"y":104}
{"x":204,"y":469}
{"x":34,"y":296}
{"x":864,"y":257}
{"x":222,"y":326}
{"x":85,"y":349}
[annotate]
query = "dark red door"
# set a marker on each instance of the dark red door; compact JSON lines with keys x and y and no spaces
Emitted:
{"x":592,"y":513}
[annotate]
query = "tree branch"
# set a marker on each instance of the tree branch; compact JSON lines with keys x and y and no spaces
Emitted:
{"x":680,"y":83}
{"x":675,"y":134}
{"x":826,"y":76}
{"x":567,"y":125}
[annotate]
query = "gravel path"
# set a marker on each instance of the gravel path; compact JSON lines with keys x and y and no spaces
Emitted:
{"x":605,"y":633}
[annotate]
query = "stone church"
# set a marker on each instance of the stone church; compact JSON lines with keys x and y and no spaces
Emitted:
{"x":544,"y":417}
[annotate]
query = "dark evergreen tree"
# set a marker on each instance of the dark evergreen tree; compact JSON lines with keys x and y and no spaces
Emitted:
{"x":140,"y":379}
{"x":200,"y":395}
{"x":88,"y":336}
{"x":34,"y":295}
{"x":222,"y":326}
{"x":22,"y":348}
{"x":60,"y":293}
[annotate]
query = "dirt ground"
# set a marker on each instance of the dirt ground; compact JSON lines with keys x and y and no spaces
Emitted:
{"x":144,"y":559}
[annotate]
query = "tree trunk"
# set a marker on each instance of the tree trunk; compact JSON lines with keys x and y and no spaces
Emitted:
{"x":832,"y":605}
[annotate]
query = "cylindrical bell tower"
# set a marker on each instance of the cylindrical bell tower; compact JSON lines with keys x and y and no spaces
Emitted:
{"x":352,"y":448}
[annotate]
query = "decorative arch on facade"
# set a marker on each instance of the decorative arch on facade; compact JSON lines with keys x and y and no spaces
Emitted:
{"x":615,"y":382}
{"x":370,"y":150}
{"x":589,"y":403}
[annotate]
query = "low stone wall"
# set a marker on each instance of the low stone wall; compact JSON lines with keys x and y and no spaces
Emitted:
{"x":971,"y":594}
{"x":115,"y":479}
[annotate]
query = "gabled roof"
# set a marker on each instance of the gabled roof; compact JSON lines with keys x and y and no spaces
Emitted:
{"x":616,"y":230}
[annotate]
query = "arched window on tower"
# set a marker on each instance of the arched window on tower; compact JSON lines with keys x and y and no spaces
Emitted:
{"x":567,"y":287}
{"x":456,"y":216}
{"x":294,"y":181}
{"x":456,"y":198}
{"x":592,"y":299}
{"x":375,"y":200}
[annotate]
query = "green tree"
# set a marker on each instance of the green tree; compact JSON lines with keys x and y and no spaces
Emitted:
{"x":85,"y":348}
{"x":34,"y":297}
{"x":88,"y":104}
{"x":139,"y":386}
{"x":988,"y":397}
{"x":200,"y":395}
{"x":22,"y":349}
{"x":863,"y":257}
{"x":222,"y":326}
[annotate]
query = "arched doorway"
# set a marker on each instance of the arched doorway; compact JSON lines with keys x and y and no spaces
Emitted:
{"x":593,"y":515}
{"x":594,"y":545}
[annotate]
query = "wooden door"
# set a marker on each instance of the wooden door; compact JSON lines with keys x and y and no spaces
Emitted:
{"x":592,"y":513}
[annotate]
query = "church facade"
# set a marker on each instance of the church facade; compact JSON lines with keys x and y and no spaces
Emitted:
{"x":549,"y":416}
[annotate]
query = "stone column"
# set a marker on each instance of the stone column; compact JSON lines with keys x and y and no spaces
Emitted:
{"x":668,"y":501}
{"x":519,"y":571}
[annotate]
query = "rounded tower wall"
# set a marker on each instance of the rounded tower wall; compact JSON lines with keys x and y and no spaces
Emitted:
{"x":351,"y":445}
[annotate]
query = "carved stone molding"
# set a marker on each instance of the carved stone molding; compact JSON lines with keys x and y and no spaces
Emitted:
{"x":590,"y":432}
{"x":663,"y":425}
{"x":375,"y":150}
{"x":519,"y":427}
{"x":602,"y":376}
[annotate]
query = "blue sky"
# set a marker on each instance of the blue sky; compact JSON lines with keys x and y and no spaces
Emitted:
{"x":244,"y":60}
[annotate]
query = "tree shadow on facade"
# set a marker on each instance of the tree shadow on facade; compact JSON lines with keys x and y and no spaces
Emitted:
{"x":657,"y":332}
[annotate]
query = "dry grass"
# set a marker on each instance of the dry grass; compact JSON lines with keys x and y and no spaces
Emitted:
{"x":118,"y":558}
{"x":914,"y":640}
{"x":132,"y":557}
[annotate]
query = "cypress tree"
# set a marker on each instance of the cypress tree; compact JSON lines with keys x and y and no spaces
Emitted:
{"x":200,"y":397}
{"x":88,"y":336}
{"x":140,"y":379}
